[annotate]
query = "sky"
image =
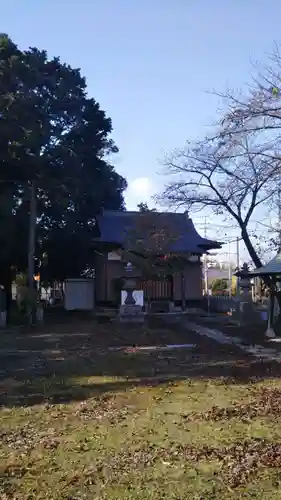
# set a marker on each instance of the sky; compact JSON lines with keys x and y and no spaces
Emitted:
{"x":151,"y":64}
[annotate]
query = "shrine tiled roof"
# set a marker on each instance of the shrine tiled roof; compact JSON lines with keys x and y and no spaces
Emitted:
{"x":114,"y":226}
{"x":273,"y":268}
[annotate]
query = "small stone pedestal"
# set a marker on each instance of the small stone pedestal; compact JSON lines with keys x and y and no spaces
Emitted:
{"x":131,"y":314}
{"x":270,"y":333}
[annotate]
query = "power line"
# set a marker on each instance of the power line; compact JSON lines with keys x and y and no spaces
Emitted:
{"x":213,"y":224}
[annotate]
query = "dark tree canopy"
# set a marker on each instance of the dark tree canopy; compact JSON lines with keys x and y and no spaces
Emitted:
{"x":51,"y":133}
{"x":143,"y":207}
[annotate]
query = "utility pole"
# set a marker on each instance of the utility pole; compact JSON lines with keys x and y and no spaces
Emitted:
{"x":205,"y":262}
{"x":238,"y":266}
{"x":31,"y":243}
{"x":229,"y":270}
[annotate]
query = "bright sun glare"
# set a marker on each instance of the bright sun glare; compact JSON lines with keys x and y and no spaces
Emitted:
{"x":141,"y":186}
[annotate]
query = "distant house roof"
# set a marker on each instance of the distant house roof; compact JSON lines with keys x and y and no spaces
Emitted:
{"x":114,"y":226}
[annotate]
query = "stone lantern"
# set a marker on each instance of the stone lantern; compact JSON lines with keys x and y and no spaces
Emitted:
{"x":245,"y":282}
{"x":129,"y":284}
{"x":129,"y":310}
{"x":245,"y":311}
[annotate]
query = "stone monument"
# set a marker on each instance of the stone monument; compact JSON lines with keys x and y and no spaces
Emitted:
{"x":245,"y":311}
{"x":130,"y":311}
{"x":245,"y":284}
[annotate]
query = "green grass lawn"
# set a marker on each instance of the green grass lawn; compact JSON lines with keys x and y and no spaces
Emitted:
{"x":200,"y":424}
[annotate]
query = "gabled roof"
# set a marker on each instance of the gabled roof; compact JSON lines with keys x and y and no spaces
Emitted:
{"x":114,"y":227}
{"x":272,"y":268}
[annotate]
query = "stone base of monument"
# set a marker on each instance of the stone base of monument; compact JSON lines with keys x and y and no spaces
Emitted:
{"x":270,"y":333}
{"x":246,"y":313}
{"x":131,"y":313}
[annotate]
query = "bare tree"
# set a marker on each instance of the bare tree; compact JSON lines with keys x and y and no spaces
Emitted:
{"x":151,"y":233}
{"x":234,"y":176}
{"x":257,"y":116}
{"x":237,"y":169}
{"x":259,"y":109}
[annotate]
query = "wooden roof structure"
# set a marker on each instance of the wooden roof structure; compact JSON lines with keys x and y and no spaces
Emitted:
{"x":113,"y":227}
{"x":273,"y":268}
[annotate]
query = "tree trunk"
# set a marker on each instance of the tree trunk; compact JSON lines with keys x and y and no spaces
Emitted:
{"x":252,"y":252}
{"x":31,"y":249}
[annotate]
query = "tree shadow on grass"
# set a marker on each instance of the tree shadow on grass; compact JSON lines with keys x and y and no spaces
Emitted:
{"x":61,"y":369}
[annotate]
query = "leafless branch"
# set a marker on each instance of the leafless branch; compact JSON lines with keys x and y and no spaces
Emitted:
{"x":237,"y":168}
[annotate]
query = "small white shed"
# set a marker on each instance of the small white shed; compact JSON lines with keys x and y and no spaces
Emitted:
{"x":79,"y":294}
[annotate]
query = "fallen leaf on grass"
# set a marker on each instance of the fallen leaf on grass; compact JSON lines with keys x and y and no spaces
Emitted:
{"x":28,"y":437}
{"x":268,"y":402}
{"x":103,"y":409}
{"x":238,"y":462}
{"x":13,"y":470}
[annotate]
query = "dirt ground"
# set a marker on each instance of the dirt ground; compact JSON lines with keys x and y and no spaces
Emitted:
{"x":249,"y":333}
{"x":82,"y":348}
